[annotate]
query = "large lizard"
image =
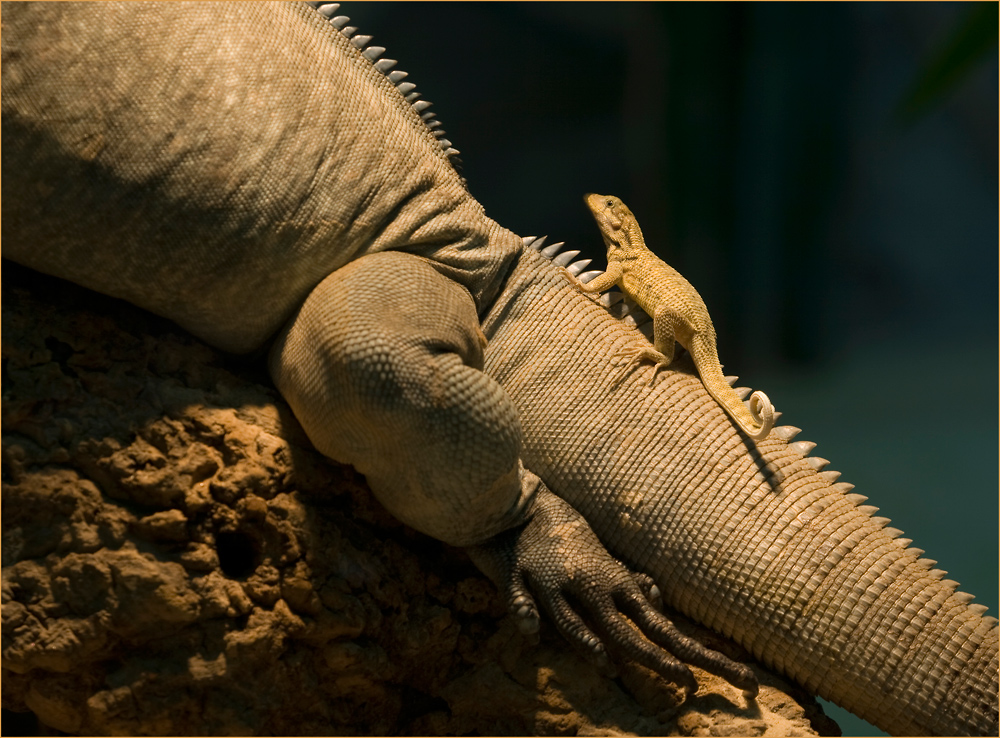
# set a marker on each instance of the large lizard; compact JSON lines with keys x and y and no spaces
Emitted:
{"x":250,"y":170}
{"x":679,"y":314}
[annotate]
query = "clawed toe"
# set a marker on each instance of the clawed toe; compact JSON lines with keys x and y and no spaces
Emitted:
{"x":654,"y":596}
{"x":525,"y":613}
{"x":656,"y":370}
{"x":632,"y":355}
{"x":599,"y":655}
{"x":557,"y":562}
{"x":745,"y":679}
{"x":649,"y":589}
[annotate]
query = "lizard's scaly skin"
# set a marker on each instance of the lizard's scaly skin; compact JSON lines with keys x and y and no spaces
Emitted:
{"x":235,"y":167}
{"x":679,"y":314}
{"x":767,"y":548}
{"x":243,"y":167}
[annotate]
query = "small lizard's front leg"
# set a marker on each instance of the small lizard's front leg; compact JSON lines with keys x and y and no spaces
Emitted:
{"x":601,"y":282}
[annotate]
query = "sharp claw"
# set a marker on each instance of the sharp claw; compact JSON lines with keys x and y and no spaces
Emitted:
{"x":655,"y":597}
{"x":748,"y":682}
{"x":604,"y":664}
{"x":528,"y":622}
{"x":528,"y":626}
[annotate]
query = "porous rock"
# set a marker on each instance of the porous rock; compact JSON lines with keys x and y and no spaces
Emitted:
{"x":178,"y":559}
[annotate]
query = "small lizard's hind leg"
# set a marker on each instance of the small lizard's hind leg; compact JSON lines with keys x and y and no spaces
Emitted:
{"x":666,"y":324}
{"x":661,"y":352}
{"x":634,"y":354}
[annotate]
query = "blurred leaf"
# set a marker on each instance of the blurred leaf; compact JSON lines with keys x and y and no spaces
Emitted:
{"x":956,"y":58}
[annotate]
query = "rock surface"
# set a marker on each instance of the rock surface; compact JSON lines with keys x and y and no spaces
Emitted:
{"x":178,"y":559}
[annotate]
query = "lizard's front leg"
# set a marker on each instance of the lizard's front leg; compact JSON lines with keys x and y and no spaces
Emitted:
{"x":600,"y":283}
{"x":383,"y":367}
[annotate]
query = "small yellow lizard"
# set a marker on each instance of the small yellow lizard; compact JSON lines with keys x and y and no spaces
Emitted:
{"x":678,"y":312}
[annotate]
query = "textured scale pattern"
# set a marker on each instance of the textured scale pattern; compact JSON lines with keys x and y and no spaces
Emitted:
{"x":395,"y":76}
{"x":339,"y":215}
{"x":227,"y":228}
{"x":769,"y":549}
{"x":384,"y":362}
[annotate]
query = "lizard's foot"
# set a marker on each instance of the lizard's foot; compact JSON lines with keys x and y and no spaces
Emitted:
{"x":577,"y":284}
{"x":632,"y":355}
{"x":581,"y":287}
{"x":522,"y":605}
{"x":592,"y":598}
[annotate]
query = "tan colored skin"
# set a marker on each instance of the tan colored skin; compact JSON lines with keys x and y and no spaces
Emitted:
{"x":155,"y":184}
{"x":679,"y":314}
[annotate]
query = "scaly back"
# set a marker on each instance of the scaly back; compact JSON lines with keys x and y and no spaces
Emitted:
{"x":258,"y":150}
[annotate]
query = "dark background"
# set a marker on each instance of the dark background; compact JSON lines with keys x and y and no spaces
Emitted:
{"x":824,"y":174}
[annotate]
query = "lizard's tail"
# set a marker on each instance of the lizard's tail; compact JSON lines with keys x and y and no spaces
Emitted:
{"x":757,"y":420}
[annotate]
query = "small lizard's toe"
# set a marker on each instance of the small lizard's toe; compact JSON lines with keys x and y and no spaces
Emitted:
{"x":661,"y":364}
{"x":570,"y":278}
{"x":632,"y":355}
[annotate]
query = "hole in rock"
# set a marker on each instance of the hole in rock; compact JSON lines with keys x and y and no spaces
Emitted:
{"x":61,"y":354}
{"x":237,"y":554}
{"x":417,"y":704}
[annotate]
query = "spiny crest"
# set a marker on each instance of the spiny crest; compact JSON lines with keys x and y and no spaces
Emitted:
{"x":804,"y":448}
{"x":385,"y":66}
{"x":618,"y":305}
{"x":623,"y":308}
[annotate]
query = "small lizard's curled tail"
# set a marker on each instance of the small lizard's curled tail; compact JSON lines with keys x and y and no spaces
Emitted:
{"x":756,"y":421}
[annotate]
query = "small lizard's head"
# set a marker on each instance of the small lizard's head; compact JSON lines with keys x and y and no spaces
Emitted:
{"x":611,"y":214}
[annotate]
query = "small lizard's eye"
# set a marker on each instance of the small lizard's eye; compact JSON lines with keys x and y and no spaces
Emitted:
{"x":609,"y":204}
